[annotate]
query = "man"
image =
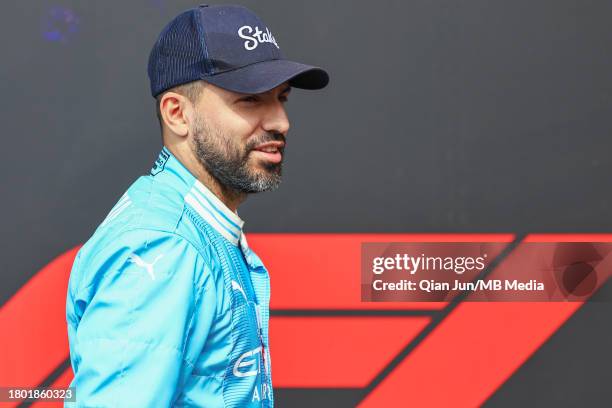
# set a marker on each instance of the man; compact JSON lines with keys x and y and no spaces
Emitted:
{"x":167,"y":305}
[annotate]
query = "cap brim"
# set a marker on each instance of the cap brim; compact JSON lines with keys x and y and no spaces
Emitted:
{"x":263,"y":76}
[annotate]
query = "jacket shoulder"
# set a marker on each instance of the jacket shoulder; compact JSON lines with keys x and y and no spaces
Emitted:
{"x":146,"y":204}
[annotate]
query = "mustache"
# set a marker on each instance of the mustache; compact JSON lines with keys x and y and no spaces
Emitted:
{"x":264,"y":138}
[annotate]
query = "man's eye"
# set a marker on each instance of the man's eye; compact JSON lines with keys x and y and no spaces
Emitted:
{"x":283,"y":98}
{"x":250,"y":98}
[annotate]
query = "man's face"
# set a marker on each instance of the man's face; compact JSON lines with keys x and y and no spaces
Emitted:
{"x":240,"y":138}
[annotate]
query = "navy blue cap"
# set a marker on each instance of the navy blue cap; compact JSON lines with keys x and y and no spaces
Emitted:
{"x":227,"y":46}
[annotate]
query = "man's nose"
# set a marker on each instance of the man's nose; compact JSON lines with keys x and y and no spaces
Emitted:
{"x":276,"y":120}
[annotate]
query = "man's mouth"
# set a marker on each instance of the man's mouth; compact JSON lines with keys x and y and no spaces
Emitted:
{"x":271,"y":151}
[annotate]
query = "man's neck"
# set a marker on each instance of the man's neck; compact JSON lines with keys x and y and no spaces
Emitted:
{"x":231,"y":198}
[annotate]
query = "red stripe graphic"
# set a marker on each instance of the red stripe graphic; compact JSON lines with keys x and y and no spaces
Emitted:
{"x":467,"y":357}
{"x":318,"y":352}
{"x":460,"y":363}
{"x":35,"y":317}
{"x":328,"y":265}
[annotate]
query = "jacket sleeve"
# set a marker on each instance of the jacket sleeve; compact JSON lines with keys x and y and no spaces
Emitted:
{"x":145,"y":313}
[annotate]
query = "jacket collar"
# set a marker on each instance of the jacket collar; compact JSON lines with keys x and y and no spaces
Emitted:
{"x":200,"y":198}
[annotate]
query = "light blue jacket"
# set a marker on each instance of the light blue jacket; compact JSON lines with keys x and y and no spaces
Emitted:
{"x":167,"y":305}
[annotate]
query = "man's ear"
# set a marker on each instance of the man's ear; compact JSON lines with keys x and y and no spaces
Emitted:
{"x":175,"y":110}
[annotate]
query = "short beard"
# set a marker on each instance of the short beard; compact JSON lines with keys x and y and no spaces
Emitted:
{"x":227,"y":162}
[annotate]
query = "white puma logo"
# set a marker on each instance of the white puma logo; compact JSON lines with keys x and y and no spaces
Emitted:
{"x":148,"y":266}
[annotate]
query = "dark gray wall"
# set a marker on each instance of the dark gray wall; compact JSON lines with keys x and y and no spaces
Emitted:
{"x":441,"y":116}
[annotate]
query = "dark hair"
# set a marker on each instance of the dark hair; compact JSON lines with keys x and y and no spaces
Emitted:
{"x":190,"y":90}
